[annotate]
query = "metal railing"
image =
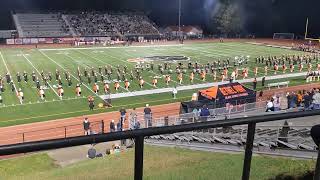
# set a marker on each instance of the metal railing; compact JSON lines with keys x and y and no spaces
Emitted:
{"x":140,"y":134}
{"x":100,"y":126}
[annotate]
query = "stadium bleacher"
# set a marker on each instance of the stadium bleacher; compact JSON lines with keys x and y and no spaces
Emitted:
{"x":41,"y":25}
{"x":92,"y":23}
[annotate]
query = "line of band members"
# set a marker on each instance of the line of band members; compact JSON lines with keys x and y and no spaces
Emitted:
{"x":180,"y":73}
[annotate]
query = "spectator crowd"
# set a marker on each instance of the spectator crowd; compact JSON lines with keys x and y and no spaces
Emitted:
{"x":96,"y":23}
{"x":306,"y":100}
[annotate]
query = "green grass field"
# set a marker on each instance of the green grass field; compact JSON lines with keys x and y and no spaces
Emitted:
{"x":159,"y":163}
{"x":34,"y":109}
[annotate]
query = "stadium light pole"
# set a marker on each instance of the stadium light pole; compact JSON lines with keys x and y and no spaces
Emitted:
{"x":179,"y":19}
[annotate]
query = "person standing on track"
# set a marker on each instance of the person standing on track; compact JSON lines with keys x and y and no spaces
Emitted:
{"x":147,"y":116}
{"x":86,"y":126}
{"x":254,"y":84}
{"x":123,"y":113}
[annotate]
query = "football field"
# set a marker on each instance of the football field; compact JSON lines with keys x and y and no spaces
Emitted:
{"x":70,"y":59}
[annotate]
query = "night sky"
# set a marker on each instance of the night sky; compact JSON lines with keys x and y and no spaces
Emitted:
{"x":261,"y":17}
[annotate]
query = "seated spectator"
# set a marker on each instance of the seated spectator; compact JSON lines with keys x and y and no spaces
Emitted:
{"x":270,"y":106}
{"x":91,"y":153}
{"x":276,"y":104}
{"x":316,"y":100}
{"x":205,"y":113}
{"x":137,"y":125}
{"x":307,"y":99}
{"x":119,"y":126}
{"x":112,"y":126}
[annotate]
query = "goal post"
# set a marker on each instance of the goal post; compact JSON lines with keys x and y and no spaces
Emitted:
{"x":288,"y":36}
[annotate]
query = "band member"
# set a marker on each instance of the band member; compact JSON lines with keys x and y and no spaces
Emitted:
{"x":284,"y":68}
{"x":100,"y":70}
{"x":78,"y":90}
{"x":95,"y":77}
{"x":57,"y":74}
{"x":154,"y":81}
{"x":215,"y":75}
{"x":20,"y":95}
{"x":59,"y":80}
{"x":1,"y":85}
{"x":266,"y":70}
{"x":18,"y":77}
{"x":106,"y":88}
{"x":69,"y":81}
{"x":13,"y":88}
{"x":8,"y":78}
{"x":180,"y":77}
{"x":276,"y":68}
{"x":256,"y":71}
{"x":42,"y":74}
{"x":25,"y":76}
{"x":225,"y":72}
{"x":92,"y":71}
{"x":116,"y":85}
{"x":191,"y":77}
{"x":245,"y":73}
{"x":66,"y":75}
{"x":105,"y":70}
{"x":309,"y":67}
{"x":41,"y":93}
{"x":222,"y":77}
{"x":46,"y":84}
{"x":38,"y":83}
{"x":126,"y":84}
{"x":50,"y":76}
{"x":85,"y":72}
{"x":233,"y":76}
{"x":300,"y":67}
{"x":60,"y":91}
{"x":291,"y":68}
{"x":33,"y":76}
{"x":141,"y":82}
{"x":203,"y":75}
{"x":95,"y":88}
{"x":78,"y":71}
{"x":101,"y":77}
{"x":168,"y":79}
{"x":89,"y":79}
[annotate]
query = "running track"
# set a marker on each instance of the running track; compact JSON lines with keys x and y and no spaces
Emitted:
{"x":73,"y":126}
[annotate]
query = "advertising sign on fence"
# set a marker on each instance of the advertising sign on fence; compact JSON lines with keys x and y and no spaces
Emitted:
{"x":26,"y":41}
{"x":18,"y":41}
{"x":34,"y":41}
{"x":10,"y":41}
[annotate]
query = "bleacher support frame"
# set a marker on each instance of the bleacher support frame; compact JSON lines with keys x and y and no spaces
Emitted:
{"x":140,"y":134}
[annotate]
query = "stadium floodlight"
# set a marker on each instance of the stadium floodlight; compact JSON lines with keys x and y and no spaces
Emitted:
{"x":289,"y":36}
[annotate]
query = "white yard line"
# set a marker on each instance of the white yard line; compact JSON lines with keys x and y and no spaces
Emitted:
{"x":42,"y":102}
{"x":38,"y":72}
{"x":204,"y":85}
{"x":149,"y":46}
{"x":5,"y":64}
{"x":70,"y":73}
